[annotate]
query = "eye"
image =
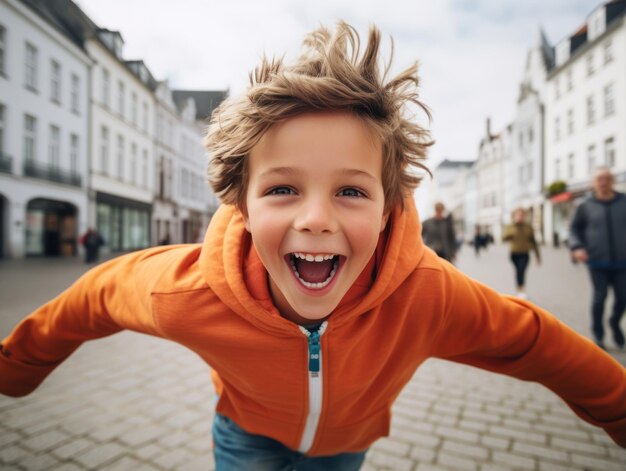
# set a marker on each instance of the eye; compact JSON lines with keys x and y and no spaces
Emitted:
{"x":351,"y":193}
{"x":280,"y":190}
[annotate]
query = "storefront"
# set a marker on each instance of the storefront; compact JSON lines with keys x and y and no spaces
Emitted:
{"x":124,"y":224}
{"x":50,"y":228}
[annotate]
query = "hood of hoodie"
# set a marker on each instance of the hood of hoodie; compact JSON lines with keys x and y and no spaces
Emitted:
{"x":226,"y":249}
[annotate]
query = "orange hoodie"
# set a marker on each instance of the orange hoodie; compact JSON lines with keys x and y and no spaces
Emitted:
{"x":418,"y":306}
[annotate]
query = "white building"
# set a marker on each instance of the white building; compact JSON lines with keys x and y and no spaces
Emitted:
{"x":586,"y":111}
{"x":165,"y":227}
{"x":448,"y":187}
{"x":122,"y":145}
{"x":44,"y":115}
{"x":196,"y":201}
{"x":523,"y":174}
{"x":494,"y":150}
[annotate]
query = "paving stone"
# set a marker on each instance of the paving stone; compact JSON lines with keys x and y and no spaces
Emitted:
{"x":67,"y":467}
{"x":495,"y":442}
{"x":8,"y":437}
{"x":423,"y":454}
{"x":149,"y":451}
{"x":540,"y":452}
{"x":513,"y":460}
{"x":462,"y":435}
{"x":531,"y":436}
{"x":596,"y":463}
{"x":13,"y":454}
{"x":100,"y":455}
{"x":45,"y":441}
{"x":127,"y":463}
{"x":75,"y":446}
{"x":393,"y":447}
{"x":140,"y":436}
{"x":578,"y":446}
{"x":393,"y":462}
{"x":174,"y":458}
{"x":476,"y":452}
{"x":39,"y":462}
{"x":199,"y":463}
{"x":456,"y":462}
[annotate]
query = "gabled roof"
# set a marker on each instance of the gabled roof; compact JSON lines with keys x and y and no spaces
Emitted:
{"x":206,"y":101}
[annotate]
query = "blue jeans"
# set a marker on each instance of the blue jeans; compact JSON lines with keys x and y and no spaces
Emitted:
{"x":237,"y":450}
{"x":520,"y":261}
{"x":602,"y":279}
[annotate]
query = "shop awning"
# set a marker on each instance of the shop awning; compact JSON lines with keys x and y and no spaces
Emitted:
{"x":562,"y":197}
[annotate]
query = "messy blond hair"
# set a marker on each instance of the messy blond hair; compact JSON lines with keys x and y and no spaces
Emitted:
{"x":330,"y":75}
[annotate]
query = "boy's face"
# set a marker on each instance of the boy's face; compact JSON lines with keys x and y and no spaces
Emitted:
{"x":315,"y":208}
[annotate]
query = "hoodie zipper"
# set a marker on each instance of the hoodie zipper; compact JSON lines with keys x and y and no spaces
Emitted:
{"x":314,"y":359}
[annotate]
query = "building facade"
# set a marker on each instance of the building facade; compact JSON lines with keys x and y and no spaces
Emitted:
{"x":44,"y":81}
{"x":585,"y":112}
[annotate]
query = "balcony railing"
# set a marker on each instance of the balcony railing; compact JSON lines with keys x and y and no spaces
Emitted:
{"x":6,"y":163}
{"x":51,"y":173}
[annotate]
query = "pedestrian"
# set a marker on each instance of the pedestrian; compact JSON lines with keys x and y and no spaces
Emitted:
{"x":438,"y":233}
{"x":521,"y":237}
{"x":313,"y":297}
{"x":598,"y":238}
{"x":91,"y":242}
{"x":165,"y":240}
{"x":478,"y":241}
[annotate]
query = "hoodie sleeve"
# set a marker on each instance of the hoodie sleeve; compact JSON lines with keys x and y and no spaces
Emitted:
{"x":510,"y":336}
{"x":106,"y":300}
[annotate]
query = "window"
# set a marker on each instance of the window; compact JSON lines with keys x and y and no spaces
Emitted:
{"x":3,"y":33}
{"x":104,"y":150}
{"x":609,"y":100}
{"x":120,"y":156}
{"x":144,"y":169}
{"x":55,"y":81}
{"x":557,"y":169}
{"x":74,"y":154}
{"x":133,"y":108}
{"x":570,"y":121}
{"x":145,"y":116}
{"x":54,"y":149}
{"x":608,"y":52}
{"x":30,"y":137}
{"x":570,"y":80}
{"x":120,"y":98}
{"x":591,"y":110}
{"x":106,"y":87}
{"x":609,"y":152}
{"x":530,"y":135}
{"x":30,"y":67}
{"x":521,"y":142}
{"x":590,"y":68}
{"x":133,"y":163}
{"x":591,"y":158}
{"x":570,"y":166}
{"x":557,"y":89}
{"x":1,"y":130}
{"x":75,"y":94}
{"x":557,"y":129}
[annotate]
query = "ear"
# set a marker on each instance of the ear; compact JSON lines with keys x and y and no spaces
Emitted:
{"x":383,"y":221}
{"x":244,"y":214}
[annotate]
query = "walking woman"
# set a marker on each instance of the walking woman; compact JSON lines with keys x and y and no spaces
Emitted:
{"x":521,"y":238}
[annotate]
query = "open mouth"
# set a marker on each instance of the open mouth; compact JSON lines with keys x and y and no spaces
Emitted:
{"x":314,"y":271}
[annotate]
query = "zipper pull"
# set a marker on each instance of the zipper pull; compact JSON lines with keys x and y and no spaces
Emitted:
{"x":314,"y":353}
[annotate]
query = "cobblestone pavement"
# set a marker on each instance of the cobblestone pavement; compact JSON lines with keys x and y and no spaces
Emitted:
{"x":132,"y":402}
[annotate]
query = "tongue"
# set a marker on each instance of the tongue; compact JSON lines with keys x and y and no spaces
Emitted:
{"x":314,"y":272}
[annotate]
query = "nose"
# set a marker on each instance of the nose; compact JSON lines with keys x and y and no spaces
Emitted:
{"x":316,"y":215}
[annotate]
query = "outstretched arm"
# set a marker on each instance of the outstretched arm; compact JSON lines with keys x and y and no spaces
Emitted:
{"x":514,"y":337}
{"x":104,"y":301}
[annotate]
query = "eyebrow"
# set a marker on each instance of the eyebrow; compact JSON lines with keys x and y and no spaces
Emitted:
{"x":293,"y":171}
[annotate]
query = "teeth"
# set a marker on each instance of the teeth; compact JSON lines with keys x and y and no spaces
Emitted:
{"x":313,"y":258}
{"x":315,"y":285}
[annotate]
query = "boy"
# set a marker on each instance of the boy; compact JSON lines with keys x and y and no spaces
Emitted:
{"x":312,"y":297}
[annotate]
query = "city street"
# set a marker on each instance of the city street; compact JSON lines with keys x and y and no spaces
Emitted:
{"x":133,"y":402}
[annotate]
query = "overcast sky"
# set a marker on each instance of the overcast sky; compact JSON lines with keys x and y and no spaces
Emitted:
{"x":471,"y":52}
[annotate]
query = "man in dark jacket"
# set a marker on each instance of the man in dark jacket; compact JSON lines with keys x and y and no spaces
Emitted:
{"x":598,"y":238}
{"x":438,"y":233}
